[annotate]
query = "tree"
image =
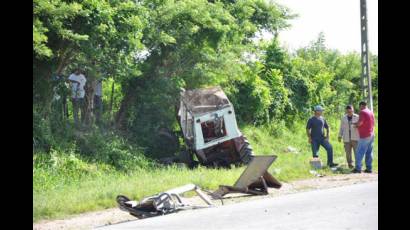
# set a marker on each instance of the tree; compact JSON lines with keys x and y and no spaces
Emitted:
{"x":51,"y":39}
{"x":99,"y":36}
{"x":251,"y":96}
{"x":192,"y":44}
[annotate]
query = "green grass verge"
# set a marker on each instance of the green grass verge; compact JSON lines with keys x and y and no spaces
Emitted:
{"x":74,"y":186}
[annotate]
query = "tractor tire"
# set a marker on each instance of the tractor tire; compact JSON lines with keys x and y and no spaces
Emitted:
{"x":187,"y":158}
{"x":248,"y":152}
{"x":222,"y":163}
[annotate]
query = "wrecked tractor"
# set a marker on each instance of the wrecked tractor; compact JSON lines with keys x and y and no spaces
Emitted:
{"x":209,"y":129}
{"x":211,"y":135}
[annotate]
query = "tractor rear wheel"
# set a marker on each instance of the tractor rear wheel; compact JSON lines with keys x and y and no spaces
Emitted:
{"x":247,"y":152}
{"x":187,"y":158}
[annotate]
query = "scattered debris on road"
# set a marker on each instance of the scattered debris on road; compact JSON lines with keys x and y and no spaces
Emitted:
{"x":255,"y":180}
{"x":163,"y":203}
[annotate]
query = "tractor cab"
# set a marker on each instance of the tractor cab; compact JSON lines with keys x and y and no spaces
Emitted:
{"x":208,"y":124}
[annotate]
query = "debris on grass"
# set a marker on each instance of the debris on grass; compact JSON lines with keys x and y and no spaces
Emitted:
{"x":315,"y":173}
{"x":291,"y":149}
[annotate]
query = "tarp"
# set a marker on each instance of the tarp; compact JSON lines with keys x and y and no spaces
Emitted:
{"x":205,"y":100}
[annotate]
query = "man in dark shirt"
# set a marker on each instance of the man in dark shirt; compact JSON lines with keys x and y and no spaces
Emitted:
{"x":315,"y":132}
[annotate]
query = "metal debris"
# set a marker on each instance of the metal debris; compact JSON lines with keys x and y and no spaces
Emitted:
{"x":163,"y":203}
{"x":254,"y":180}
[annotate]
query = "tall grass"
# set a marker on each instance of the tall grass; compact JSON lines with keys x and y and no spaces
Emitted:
{"x":57,"y":194}
{"x":66,"y":183}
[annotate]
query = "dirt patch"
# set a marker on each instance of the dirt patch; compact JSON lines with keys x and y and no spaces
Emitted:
{"x":114,"y":215}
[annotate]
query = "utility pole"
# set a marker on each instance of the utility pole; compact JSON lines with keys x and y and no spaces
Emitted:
{"x":366,"y":78}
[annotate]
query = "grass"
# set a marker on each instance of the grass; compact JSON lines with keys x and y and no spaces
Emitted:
{"x":94,"y":192}
{"x":68,"y":185}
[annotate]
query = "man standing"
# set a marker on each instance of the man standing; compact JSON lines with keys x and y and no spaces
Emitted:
{"x":98,"y":101}
{"x":315,"y":132}
{"x":78,"y":81}
{"x":365,"y":126}
{"x":349,"y":133}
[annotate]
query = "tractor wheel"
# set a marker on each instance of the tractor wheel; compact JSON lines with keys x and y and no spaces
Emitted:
{"x":248,"y":152}
{"x":222,"y":163}
{"x":186,"y":157}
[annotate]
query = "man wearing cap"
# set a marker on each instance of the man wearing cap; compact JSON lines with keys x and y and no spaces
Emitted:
{"x":315,"y":132}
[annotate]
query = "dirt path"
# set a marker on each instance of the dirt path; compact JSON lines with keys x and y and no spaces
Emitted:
{"x":114,"y":215}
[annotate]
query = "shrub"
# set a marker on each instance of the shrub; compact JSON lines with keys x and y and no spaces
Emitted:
{"x":252,"y":98}
{"x":42,"y":137}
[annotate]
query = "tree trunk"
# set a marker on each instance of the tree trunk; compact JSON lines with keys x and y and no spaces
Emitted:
{"x":120,"y":120}
{"x":112,"y":100}
{"x":88,"y":116}
{"x":130,"y":95}
{"x":64,"y":59}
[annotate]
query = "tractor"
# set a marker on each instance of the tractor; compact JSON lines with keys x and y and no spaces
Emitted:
{"x":209,"y":129}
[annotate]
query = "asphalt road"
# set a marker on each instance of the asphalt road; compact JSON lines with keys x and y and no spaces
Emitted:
{"x":349,"y":207}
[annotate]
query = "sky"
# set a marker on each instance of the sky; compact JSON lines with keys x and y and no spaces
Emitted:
{"x":338,"y":19}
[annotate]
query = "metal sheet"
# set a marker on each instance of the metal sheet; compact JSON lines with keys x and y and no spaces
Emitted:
{"x":182,"y":189}
{"x":256,"y":168}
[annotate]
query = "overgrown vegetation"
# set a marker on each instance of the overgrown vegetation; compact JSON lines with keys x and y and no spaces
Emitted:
{"x":145,"y":51}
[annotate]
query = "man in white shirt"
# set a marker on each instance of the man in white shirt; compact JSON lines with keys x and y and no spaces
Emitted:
{"x":77,"y":80}
{"x":349,"y":133}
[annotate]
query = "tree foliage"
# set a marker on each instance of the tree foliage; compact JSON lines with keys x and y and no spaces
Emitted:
{"x":98,"y":36}
{"x":192,"y":44}
{"x":147,"y":50}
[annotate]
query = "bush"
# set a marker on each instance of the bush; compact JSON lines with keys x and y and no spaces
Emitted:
{"x":251,"y":98}
{"x":74,"y":152}
{"x":279,"y":93}
{"x":276,"y":128}
{"x":109,"y":148}
{"x":42,"y":137}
